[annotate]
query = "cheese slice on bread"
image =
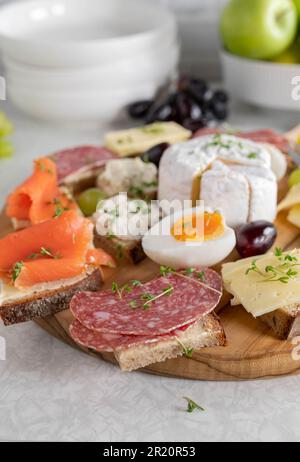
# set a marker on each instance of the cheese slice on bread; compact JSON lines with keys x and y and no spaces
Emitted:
{"x":268,"y":287}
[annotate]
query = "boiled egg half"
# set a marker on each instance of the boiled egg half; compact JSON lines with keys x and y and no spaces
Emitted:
{"x":190,"y":238}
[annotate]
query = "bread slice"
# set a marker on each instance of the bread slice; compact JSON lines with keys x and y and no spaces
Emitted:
{"x":285,"y":322}
{"x":121,"y":249}
{"x":206,"y":332}
{"x":78,"y":182}
{"x":48,"y":302}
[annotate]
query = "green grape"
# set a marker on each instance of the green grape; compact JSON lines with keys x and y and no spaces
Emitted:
{"x":6,"y":149}
{"x":294,"y":177}
{"x":6,"y":126}
{"x":89,"y":199}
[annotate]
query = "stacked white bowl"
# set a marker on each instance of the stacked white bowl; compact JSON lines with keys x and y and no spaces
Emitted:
{"x":76,"y":60}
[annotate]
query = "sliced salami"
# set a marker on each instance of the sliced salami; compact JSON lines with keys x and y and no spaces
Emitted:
{"x":100,"y":341}
{"x":155,"y":308}
{"x":81,"y":158}
{"x":259,"y":136}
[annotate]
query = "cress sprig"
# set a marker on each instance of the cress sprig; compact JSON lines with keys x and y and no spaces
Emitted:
{"x":283,"y":272}
{"x":192,"y":405}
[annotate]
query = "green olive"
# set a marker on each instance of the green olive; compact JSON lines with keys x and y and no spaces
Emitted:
{"x":89,"y":199}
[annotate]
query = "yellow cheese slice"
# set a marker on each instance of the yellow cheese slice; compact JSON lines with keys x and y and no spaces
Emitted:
{"x":294,"y":216}
{"x":292,"y":198}
{"x":254,"y":292}
{"x":138,"y":140}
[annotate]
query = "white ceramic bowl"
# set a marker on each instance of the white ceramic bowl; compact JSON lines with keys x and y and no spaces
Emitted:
{"x":85,"y":106}
{"x":262,"y":83}
{"x":75,"y":33}
{"x":155,"y":66}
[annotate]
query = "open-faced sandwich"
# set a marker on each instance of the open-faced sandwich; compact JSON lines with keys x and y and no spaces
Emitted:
{"x":145,"y":323}
{"x":43,"y":266}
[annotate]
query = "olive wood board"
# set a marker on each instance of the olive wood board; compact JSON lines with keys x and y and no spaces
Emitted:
{"x":252,"y":351}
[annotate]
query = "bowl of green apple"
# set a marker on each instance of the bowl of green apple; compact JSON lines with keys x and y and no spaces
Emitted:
{"x":261,"y":52}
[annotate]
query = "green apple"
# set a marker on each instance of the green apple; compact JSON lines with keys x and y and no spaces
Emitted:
{"x":297,"y":4}
{"x":259,"y":29}
{"x":289,"y":56}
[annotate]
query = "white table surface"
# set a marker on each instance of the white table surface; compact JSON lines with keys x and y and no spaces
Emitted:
{"x":50,"y":392}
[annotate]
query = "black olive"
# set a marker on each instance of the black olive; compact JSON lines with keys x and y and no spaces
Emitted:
{"x":219,"y":109}
{"x":139,"y":109}
{"x":154,"y":154}
{"x":193,"y":125}
{"x":199,"y":90}
{"x":221,"y":95}
{"x":164,"y":112}
{"x":255,"y":238}
{"x":187,"y":108}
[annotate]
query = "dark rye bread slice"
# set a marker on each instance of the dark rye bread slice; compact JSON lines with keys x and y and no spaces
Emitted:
{"x":44,"y":304}
{"x":122,"y":250}
{"x":285,"y":322}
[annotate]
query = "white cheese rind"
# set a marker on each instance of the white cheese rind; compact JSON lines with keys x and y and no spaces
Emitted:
{"x":227,"y":191}
{"x":242,"y":166}
{"x":278,"y":161}
{"x":263,"y":192}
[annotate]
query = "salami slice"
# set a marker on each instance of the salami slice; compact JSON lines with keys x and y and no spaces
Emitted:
{"x":78,"y":159}
{"x":100,"y":341}
{"x":259,"y":136}
{"x":155,"y":308}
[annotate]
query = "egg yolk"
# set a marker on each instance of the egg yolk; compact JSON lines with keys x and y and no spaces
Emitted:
{"x":198,"y":228}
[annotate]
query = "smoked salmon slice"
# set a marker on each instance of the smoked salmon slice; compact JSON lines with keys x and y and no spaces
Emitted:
{"x":39,"y":199}
{"x":57,"y":249}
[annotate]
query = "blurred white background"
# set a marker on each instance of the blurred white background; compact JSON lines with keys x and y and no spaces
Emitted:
{"x":198,"y":27}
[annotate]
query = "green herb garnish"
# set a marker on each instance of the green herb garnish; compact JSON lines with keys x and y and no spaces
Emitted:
{"x":17,"y":270}
{"x":252,"y":155}
{"x":119,"y":290}
{"x":188,"y":352}
{"x":166,"y":270}
{"x":283,"y":272}
{"x":119,"y":252}
{"x":201,"y":276}
{"x":151,"y":298}
{"x":33,"y":256}
{"x":153,"y":129}
{"x":58,"y":211}
{"x":192,"y":406}
{"x":190,"y":270}
{"x":133,"y":304}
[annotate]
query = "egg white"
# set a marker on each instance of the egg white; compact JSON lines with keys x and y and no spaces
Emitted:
{"x":161,"y":247}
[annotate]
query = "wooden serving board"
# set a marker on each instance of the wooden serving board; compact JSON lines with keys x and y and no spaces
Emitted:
{"x":252,"y":352}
